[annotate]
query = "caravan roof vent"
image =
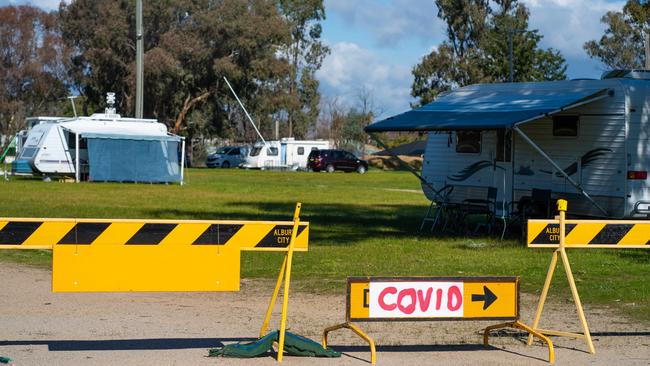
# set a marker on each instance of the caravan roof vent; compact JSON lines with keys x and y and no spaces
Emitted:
{"x":631,"y":74}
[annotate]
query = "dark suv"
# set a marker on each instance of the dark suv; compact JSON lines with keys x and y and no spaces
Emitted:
{"x":331,"y":160}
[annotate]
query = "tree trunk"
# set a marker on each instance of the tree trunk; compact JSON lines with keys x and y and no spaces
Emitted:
{"x":187,"y":105}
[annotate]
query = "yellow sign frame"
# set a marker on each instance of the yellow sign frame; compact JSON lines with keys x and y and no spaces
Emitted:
{"x":561,"y":252}
{"x":352,"y":312}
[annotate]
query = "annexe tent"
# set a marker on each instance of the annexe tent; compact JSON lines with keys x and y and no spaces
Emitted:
{"x":499,"y":106}
{"x":133,"y":158}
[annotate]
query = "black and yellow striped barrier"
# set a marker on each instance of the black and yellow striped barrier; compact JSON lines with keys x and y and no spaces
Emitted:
{"x":590,"y":234}
{"x":148,"y":255}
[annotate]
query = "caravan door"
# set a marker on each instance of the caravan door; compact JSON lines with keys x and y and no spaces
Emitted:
{"x":502,"y":178}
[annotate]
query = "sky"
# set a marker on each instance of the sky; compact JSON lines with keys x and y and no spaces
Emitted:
{"x":375,"y":43}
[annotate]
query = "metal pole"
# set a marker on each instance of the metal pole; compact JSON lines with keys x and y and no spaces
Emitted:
{"x":647,"y":49}
{"x":182,"y":158}
{"x":245,"y":111}
{"x":74,"y":109}
{"x":560,"y":170}
{"x":510,"y":32}
{"x":76,"y":163}
{"x":138,"y":59}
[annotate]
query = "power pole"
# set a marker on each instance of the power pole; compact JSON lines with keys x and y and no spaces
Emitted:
{"x":511,"y":32}
{"x":138,"y":59}
{"x":647,"y":49}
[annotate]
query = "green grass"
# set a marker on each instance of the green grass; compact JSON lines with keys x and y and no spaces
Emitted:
{"x":360,"y":225}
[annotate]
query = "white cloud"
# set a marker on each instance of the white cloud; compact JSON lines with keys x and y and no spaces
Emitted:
{"x":350,"y":68}
{"x":567,"y":24}
{"x":392,"y":21}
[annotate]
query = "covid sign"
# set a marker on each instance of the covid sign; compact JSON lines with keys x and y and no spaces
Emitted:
{"x":386,"y":298}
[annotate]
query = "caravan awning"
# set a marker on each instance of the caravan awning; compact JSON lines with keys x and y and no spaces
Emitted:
{"x":115,"y":136}
{"x":492,"y":106}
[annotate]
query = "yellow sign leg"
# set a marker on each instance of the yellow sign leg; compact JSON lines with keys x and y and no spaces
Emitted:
{"x":531,"y":332}
{"x":274,"y":297}
{"x":542,"y":297}
{"x":562,"y":207}
{"x":287,"y":281}
{"x":357,"y":331}
{"x":576,"y":299}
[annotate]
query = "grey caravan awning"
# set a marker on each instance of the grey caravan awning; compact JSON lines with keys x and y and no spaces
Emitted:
{"x":489,"y":106}
{"x":116,"y":157}
{"x":495,"y":106}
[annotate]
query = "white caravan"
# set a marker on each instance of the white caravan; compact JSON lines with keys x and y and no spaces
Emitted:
{"x":59,"y":146}
{"x":286,"y":153}
{"x":587,"y":141}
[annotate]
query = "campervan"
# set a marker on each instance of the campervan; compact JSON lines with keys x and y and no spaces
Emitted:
{"x":285,"y":153}
{"x":587,"y":141}
{"x":104,"y":146}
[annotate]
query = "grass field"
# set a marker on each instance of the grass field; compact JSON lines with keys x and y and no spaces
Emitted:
{"x":360,"y":225}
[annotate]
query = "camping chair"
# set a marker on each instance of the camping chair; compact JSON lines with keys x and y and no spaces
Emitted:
{"x":438,"y":207}
{"x":537,"y":205}
{"x":485,"y":207}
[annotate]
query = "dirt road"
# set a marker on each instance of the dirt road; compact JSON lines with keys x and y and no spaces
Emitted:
{"x":38,"y":327}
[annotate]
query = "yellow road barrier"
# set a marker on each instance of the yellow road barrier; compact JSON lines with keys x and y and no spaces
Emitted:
{"x":158,"y":255}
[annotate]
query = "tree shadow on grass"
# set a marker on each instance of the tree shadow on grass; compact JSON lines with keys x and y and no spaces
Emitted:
{"x":331,"y":224}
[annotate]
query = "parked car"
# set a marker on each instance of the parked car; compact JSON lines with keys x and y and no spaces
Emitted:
{"x":331,"y":160}
{"x":227,"y":157}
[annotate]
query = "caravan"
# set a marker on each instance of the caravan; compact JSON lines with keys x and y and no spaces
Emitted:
{"x":587,"y":141}
{"x":102,"y":147}
{"x":286,"y":153}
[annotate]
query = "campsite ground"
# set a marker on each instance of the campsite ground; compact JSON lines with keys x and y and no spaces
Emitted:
{"x":42,"y":328}
{"x":361,"y":225}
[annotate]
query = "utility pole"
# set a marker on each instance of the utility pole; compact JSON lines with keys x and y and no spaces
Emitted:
{"x":511,"y":32}
{"x":647,"y":49}
{"x":138,"y":59}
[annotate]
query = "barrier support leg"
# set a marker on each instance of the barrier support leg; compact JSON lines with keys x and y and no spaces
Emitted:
{"x":357,"y":331}
{"x":544,"y":294}
{"x":586,"y":336}
{"x":531,"y":332}
{"x":274,"y":297}
{"x":287,"y":280}
{"x":576,"y":300}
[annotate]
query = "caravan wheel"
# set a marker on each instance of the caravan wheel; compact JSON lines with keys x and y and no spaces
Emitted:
{"x":329,"y":168}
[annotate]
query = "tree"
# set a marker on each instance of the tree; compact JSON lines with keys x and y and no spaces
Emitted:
{"x":622,"y":45}
{"x":32,"y":66}
{"x":476,"y":49}
{"x":189,"y":46}
{"x":305,"y":53}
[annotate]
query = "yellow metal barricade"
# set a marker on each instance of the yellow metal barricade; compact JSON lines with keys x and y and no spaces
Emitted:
{"x":157,"y":255}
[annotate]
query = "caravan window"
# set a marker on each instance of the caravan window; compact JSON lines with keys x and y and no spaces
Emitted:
{"x":468,"y":142}
{"x":301,"y":150}
{"x":72,"y":141}
{"x":272,"y":151}
{"x":256,"y":151}
{"x":504,"y":145}
{"x":565,"y":126}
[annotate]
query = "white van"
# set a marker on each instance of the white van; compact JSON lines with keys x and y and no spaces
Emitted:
{"x":286,"y":153}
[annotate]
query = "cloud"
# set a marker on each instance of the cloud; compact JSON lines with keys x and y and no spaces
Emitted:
{"x":567,"y":24}
{"x":350,"y":68}
{"x":391,"y":22}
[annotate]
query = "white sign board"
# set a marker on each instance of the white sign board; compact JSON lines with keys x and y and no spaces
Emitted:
{"x":416,"y":299}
